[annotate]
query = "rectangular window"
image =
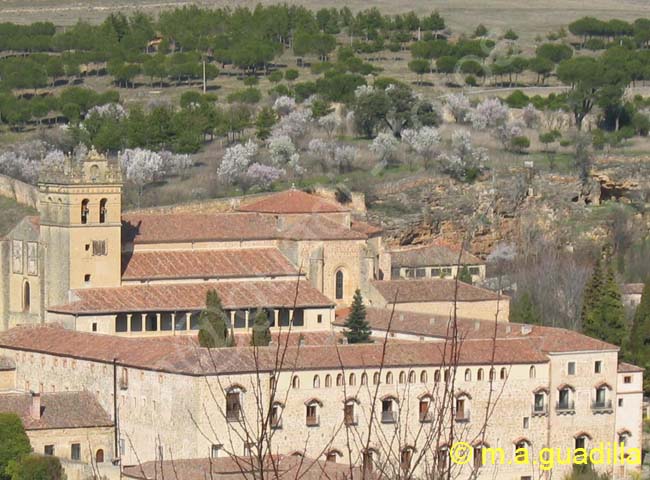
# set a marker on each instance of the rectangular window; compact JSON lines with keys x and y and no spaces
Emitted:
{"x":571,"y":368}
{"x":240,"y":318}
{"x":32,"y":258}
{"x":446,"y":272}
{"x":474,"y":270}
{"x":410,"y":273}
{"x":420,"y":273}
{"x":75,"y":451}
{"x":319,"y":318}
{"x":627,"y":379}
{"x":598,"y":366}
{"x":17,"y":256}
{"x":233,"y":406}
{"x":526,"y":422}
{"x":214,"y":451}
{"x":620,"y":402}
{"x":395,"y":273}
{"x":48,"y":450}
{"x":298,"y":317}
{"x":436,"y":272}
{"x":99,"y":248}
{"x":284,"y":317}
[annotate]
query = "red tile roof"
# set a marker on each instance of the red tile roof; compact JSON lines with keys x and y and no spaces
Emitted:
{"x":191,"y":296}
{"x":317,"y":227}
{"x":252,"y":262}
{"x":435,"y":254}
{"x":547,"y":339}
{"x":180,"y":355}
{"x":291,"y":202}
{"x":58,"y":410}
{"x":629,"y":368}
{"x":432,"y":290}
{"x":632,"y":288}
{"x":179,"y":227}
{"x":365,"y":228}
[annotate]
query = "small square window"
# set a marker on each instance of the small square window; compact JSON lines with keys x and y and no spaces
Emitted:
{"x":319,"y":319}
{"x":214,"y":451}
{"x":598,"y":366}
{"x":526,"y":422}
{"x":627,"y":379}
{"x":75,"y":451}
{"x":620,"y":402}
{"x":87,"y":278}
{"x":571,"y":368}
{"x":87,"y":247}
{"x":48,"y":450}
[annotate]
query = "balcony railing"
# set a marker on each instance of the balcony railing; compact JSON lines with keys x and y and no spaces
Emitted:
{"x":233,"y":415}
{"x":426,"y":417}
{"x":388,"y":417}
{"x":604,"y":406}
{"x":565,"y":407}
{"x":313,"y":421}
{"x":462,"y":417}
{"x":539,"y":410}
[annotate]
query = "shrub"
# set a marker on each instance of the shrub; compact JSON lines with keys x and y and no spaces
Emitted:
{"x":517,"y":99}
{"x":520,"y":143}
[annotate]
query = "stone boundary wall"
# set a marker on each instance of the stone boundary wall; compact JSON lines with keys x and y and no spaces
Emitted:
{"x":19,"y":191}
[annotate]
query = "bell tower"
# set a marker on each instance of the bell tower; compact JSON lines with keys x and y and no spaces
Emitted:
{"x":80,"y":223}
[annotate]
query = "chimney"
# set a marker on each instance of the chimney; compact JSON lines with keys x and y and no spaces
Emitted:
{"x":35,"y":410}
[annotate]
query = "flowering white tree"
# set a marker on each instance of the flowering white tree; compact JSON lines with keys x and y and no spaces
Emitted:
{"x":284,"y":105}
{"x":54,"y":160}
{"x":530,"y":115}
{"x":464,"y":162}
{"x":174,"y":163}
{"x":344,"y":156}
{"x":508,"y":131}
{"x":384,"y":146}
{"x":424,"y":141}
{"x":330,"y":123}
{"x":362,"y":90}
{"x":141,"y":167}
{"x":23,"y":160}
{"x":113,"y":110}
{"x":236,"y":160}
{"x":490,"y":113}
{"x":284,"y":154}
{"x":458,"y":105}
{"x":293,"y":125}
{"x":263,"y":175}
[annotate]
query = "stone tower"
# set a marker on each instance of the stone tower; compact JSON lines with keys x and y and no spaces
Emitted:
{"x":80,"y":226}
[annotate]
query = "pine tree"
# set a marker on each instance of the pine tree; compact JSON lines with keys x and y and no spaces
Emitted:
{"x":465,"y":276}
{"x":604,"y":317}
{"x":591,"y":294}
{"x":261,"y":330}
{"x":214,"y":324}
{"x":523,"y":310}
{"x":638,"y":346}
{"x":357,"y":329}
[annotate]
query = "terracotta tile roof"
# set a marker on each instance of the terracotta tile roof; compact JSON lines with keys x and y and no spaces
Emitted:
{"x":317,"y":227}
{"x":437,"y":253}
{"x":58,"y":410}
{"x":629,"y":368}
{"x":432,"y":290}
{"x":632,"y":289}
{"x":191,"y":296}
{"x":547,"y":339}
{"x":365,"y":228}
{"x":7,"y":364}
{"x":293,"y":201}
{"x":241,"y":468}
{"x":182,"y":356}
{"x":181,"y":227}
{"x":253,"y":262}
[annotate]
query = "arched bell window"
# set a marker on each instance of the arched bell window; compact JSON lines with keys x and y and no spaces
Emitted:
{"x":102,"y":210}
{"x":84,"y":210}
{"x":339,"y":285}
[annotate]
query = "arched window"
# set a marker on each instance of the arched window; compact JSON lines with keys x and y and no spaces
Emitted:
{"x":424,"y":409}
{"x":316,"y":383}
{"x":423,"y":376}
{"x":389,"y":378}
{"x":295,"y":382}
{"x":84,"y":210}
{"x":352,"y":380}
{"x":328,"y":381}
{"x":582,"y":440}
{"x":411,"y":376}
{"x":623,"y":437}
{"x":389,"y":408}
{"x":339,"y":284}
{"x":532,"y":373}
{"x":234,"y":403}
{"x":276,"y":415}
{"x":503,"y":373}
{"x":492,"y":374}
{"x":522,"y":444}
{"x":602,"y":401}
{"x":102,"y":210}
{"x":332,"y":455}
{"x":565,"y":399}
{"x":364,"y":378}
{"x":339,"y":380}
{"x":468,"y":375}
{"x":312,"y":418}
{"x":27,"y":297}
{"x":375,"y":378}
{"x":479,"y":375}
{"x":402,"y":377}
{"x":99,"y":456}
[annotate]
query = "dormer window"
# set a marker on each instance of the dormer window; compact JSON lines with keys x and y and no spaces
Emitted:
{"x":102,"y":210}
{"x":84,"y":211}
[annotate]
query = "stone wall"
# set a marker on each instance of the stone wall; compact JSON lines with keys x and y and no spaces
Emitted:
{"x":19,"y":191}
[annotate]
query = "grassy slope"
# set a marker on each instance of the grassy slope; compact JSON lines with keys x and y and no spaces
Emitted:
{"x":11,"y":213}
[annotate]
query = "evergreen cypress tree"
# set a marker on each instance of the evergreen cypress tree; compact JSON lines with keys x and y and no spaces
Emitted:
{"x":638,"y":346}
{"x":214,"y":323}
{"x":523,"y":310}
{"x":604,"y":317}
{"x":591,"y":294}
{"x":357,"y":329}
{"x":465,"y":276}
{"x":261,"y":330}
